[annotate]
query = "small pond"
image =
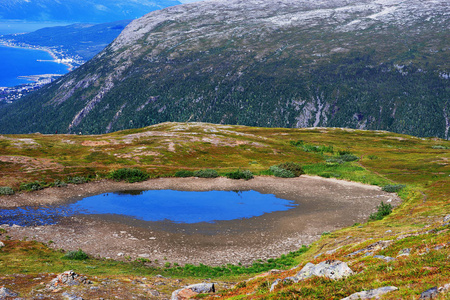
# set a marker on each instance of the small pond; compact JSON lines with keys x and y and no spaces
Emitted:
{"x":155,"y":205}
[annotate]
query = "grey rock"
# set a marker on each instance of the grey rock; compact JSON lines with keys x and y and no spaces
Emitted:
{"x":318,"y":255}
{"x":333,"y":269}
{"x":375,"y":293}
{"x":404,"y":252}
{"x":430,"y":293}
{"x":274,"y":285}
{"x":202,"y":288}
{"x":199,"y":288}
{"x":444,"y":288}
{"x":154,"y":293}
{"x":4,"y":292}
{"x":447,"y":219}
{"x":2,"y":244}
{"x":385,"y":258}
{"x":71,"y":296}
{"x":67,"y":278}
{"x":380,"y":245}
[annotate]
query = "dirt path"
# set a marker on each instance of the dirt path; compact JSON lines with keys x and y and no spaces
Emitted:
{"x":324,"y":205}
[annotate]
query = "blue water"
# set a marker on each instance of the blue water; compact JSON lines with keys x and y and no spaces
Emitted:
{"x":156,"y":205}
{"x":16,"y":62}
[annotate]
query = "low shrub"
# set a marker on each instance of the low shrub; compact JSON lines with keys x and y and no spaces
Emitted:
{"x":32,"y":186}
{"x":285,"y":261}
{"x":295,"y":168}
{"x":76,"y":255}
{"x":206,"y":173}
{"x":129,"y":175}
{"x":184,"y":173}
{"x":246,"y":174}
{"x":279,"y":172}
{"x":440,"y":147}
{"x":348,"y":157}
{"x":287,"y":170}
{"x":77,"y":179}
{"x":59,"y":183}
{"x":382,"y":211}
{"x":341,"y":157}
{"x":393,"y":188}
{"x":296,"y":143}
{"x":314,"y":148}
{"x":6,"y":190}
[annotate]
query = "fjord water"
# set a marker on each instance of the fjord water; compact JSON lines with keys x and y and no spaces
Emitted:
{"x":156,"y":205}
{"x":16,"y":62}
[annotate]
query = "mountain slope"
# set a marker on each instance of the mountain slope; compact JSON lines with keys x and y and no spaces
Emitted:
{"x":369,"y":64}
{"x":98,"y":11}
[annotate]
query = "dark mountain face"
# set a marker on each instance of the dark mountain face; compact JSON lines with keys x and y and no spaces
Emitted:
{"x":369,"y":64}
{"x":98,"y":11}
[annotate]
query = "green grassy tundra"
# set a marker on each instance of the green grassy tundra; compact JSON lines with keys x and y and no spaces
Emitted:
{"x":418,"y":169}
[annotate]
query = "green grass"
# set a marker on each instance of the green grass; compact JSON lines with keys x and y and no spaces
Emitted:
{"x":129,"y":175}
{"x":383,"y":159}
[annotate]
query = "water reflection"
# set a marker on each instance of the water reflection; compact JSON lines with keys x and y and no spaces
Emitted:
{"x":155,"y":205}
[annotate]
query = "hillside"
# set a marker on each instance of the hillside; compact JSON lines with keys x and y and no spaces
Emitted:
{"x":360,"y":64}
{"x":93,"y":11}
{"x":416,"y":234}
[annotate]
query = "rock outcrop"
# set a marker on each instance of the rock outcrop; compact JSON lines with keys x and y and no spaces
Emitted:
{"x":333,"y":269}
{"x":193,"y":290}
{"x":67,"y":278}
{"x":370,"y":294}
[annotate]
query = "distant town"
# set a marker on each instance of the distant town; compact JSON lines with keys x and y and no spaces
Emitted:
{"x":10,"y":94}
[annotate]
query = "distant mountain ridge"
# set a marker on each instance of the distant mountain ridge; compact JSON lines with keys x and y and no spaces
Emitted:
{"x":80,"y":39}
{"x":368,"y":64}
{"x":97,"y":11}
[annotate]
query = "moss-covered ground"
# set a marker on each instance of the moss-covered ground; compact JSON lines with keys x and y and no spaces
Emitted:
{"x":421,"y":164}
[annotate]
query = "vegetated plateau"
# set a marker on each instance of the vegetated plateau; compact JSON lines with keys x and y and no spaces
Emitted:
{"x":415,"y":234}
{"x":362,"y":64}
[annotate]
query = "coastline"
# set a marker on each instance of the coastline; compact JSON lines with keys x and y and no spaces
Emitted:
{"x":69,"y":62}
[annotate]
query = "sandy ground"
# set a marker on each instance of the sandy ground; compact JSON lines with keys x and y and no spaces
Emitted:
{"x":324,"y":205}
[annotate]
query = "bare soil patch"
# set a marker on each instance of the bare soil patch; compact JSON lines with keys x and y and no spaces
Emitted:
{"x":324,"y":205}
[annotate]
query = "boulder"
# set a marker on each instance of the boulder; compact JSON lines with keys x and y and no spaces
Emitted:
{"x":192,"y":291}
{"x":68,"y":296}
{"x":333,"y":269}
{"x":4,"y":292}
{"x":430,"y":293}
{"x":385,"y":258}
{"x":68,"y":278}
{"x":444,"y":288}
{"x":447,"y":219}
{"x":274,"y":285}
{"x":404,"y":252}
{"x":370,"y":294}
